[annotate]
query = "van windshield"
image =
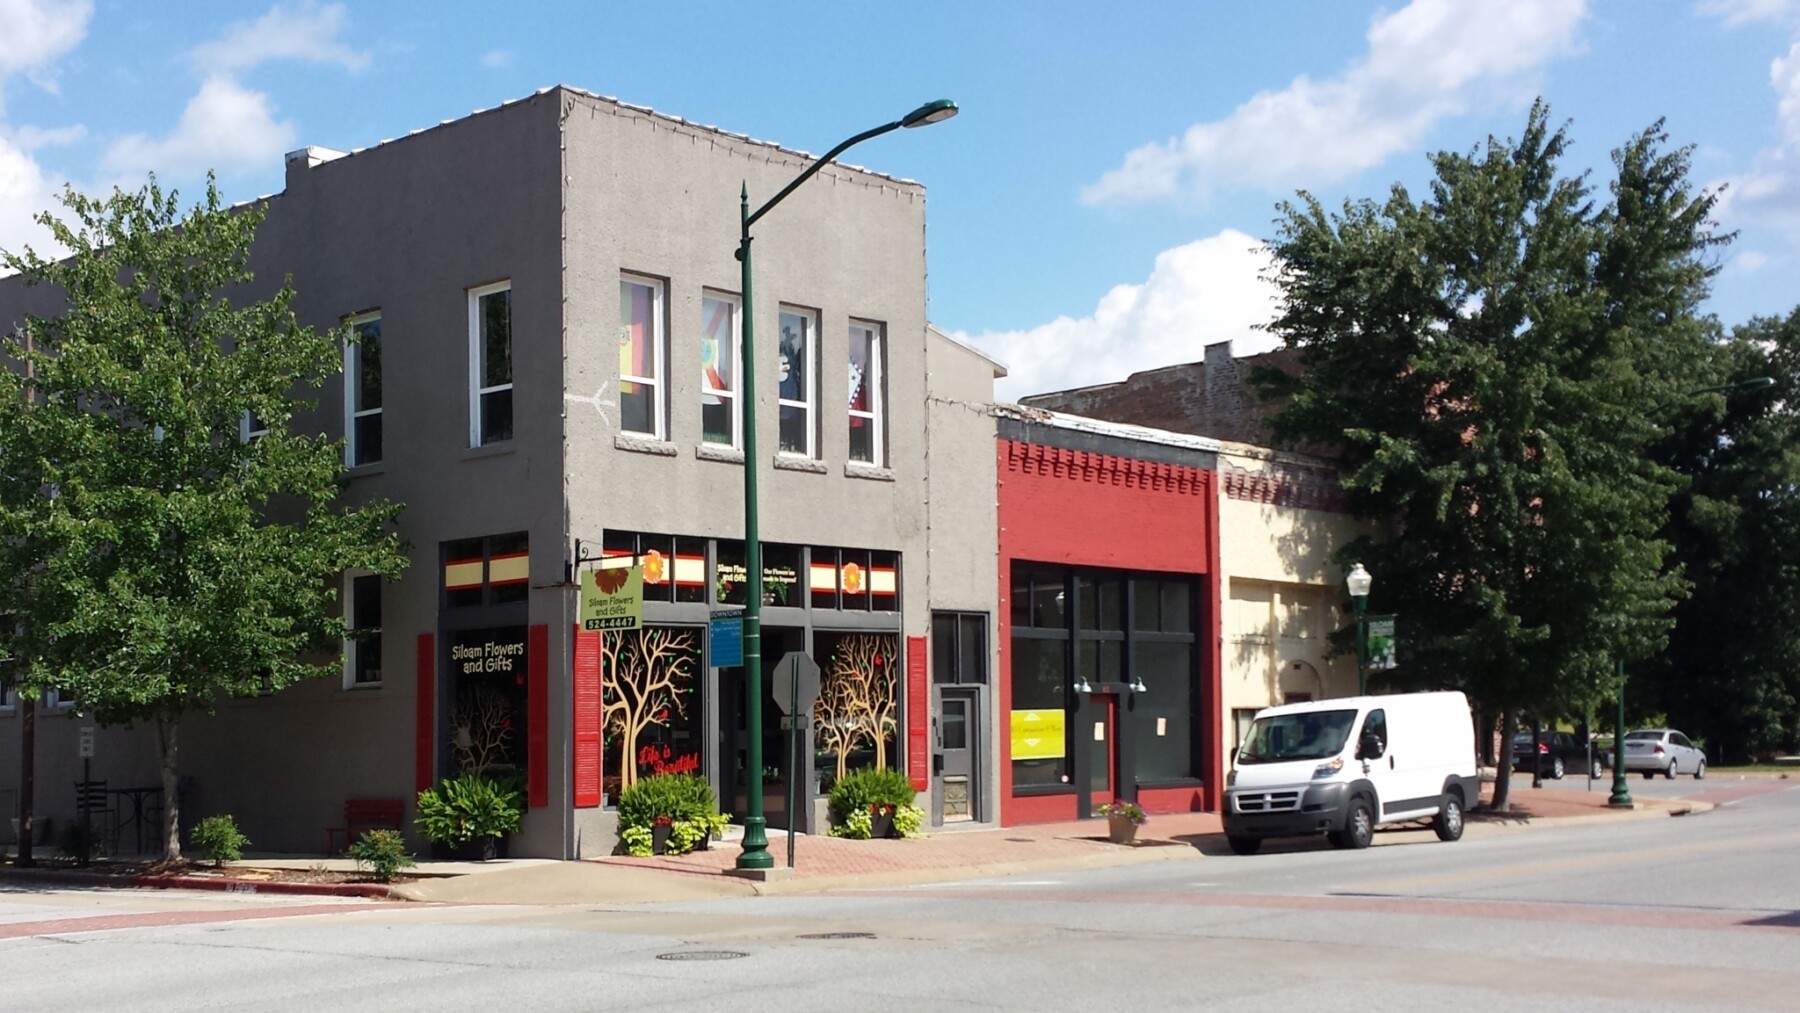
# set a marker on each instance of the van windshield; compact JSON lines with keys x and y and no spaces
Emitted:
{"x":1313,"y":735}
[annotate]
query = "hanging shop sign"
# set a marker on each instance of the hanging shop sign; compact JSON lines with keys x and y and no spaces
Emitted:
{"x":612,"y":599}
{"x":1381,"y":643}
{"x":1037,"y":735}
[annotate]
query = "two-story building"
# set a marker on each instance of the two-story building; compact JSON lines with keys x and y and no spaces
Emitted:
{"x":548,"y":376}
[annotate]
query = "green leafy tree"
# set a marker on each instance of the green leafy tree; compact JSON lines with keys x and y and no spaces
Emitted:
{"x":157,"y":559}
{"x":1487,"y":364}
{"x":1732,"y":672}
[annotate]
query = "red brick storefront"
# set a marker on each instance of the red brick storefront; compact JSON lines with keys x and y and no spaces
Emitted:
{"x":1108,"y":558}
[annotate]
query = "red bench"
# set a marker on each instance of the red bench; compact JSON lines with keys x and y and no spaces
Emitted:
{"x":362,"y":814}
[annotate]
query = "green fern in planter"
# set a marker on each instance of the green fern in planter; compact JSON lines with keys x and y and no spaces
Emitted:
{"x":467,"y":807}
{"x":860,"y":789}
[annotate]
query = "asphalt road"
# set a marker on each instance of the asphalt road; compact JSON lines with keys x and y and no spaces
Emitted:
{"x":1695,"y":912}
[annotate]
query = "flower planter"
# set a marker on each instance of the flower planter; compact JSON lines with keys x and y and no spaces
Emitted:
{"x":659,"y":837}
{"x":881,"y":822}
{"x":1121,"y":829}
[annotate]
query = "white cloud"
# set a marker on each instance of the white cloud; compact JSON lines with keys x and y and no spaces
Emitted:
{"x":224,"y":127}
{"x":497,"y":58}
{"x":1430,"y":60}
{"x":306,"y":32}
{"x":1745,"y":12}
{"x":1770,"y":190}
{"x":1748,"y":261}
{"x":1208,"y":291}
{"x":36,"y":33}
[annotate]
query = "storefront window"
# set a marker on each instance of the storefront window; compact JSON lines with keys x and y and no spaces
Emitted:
{"x":488,"y":695}
{"x":856,"y":719}
{"x":1040,"y":748}
{"x":650,"y":703}
{"x":1162,"y":717}
{"x":487,"y":571}
{"x":781,"y":574}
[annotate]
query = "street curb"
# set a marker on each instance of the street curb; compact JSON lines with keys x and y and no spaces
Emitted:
{"x":65,"y":877}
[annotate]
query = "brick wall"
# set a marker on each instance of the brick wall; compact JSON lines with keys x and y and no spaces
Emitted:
{"x":1212,"y":397}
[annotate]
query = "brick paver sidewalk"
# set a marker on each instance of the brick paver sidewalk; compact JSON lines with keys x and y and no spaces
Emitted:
{"x":816,"y":856}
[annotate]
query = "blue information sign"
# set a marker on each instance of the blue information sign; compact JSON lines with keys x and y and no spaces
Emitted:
{"x":725,"y":639}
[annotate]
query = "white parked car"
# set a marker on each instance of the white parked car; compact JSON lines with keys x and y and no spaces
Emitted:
{"x":1653,"y":751}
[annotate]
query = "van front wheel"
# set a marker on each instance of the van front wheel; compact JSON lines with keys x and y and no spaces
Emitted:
{"x":1449,"y":822}
{"x":1244,"y":845}
{"x":1359,"y":826}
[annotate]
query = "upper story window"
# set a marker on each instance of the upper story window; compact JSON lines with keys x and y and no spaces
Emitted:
{"x":799,"y":386}
{"x":250,"y":428}
{"x":495,"y":570}
{"x":490,"y":364}
{"x":642,"y":355}
{"x":720,"y":420}
{"x":362,"y":391}
{"x":362,"y":654}
{"x":868,"y":393}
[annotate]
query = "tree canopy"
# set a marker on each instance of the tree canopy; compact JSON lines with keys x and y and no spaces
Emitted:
{"x":1490,"y":365}
{"x":157,"y":555}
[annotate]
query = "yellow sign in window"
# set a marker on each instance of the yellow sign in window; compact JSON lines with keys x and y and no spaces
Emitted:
{"x":1037,"y":735}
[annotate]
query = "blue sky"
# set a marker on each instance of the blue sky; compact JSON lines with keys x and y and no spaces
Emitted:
{"x":1095,"y":209}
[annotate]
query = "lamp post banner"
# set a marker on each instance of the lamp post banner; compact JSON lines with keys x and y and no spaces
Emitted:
{"x":1381,"y":643}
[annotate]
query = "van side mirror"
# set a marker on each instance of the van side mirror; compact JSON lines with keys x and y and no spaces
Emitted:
{"x":1370,"y":747}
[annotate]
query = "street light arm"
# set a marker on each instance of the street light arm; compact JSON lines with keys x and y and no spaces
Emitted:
{"x":816,"y":166}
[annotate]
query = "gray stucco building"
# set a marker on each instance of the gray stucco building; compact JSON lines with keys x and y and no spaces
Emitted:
{"x":548,"y":379}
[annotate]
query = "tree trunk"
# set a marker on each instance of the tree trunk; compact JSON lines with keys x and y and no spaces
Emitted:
{"x":165,"y":733}
{"x":27,"y":774}
{"x":1503,"y":763}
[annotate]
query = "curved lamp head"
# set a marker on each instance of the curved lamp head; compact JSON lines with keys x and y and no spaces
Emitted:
{"x":1358,"y":582}
{"x":929,"y":113}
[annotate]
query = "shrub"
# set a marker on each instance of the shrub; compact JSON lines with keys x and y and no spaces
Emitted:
{"x":685,"y":801}
{"x":469,"y":806}
{"x":1126,"y":810}
{"x":857,"y":825}
{"x":382,"y":852}
{"x":219,"y":839}
{"x":860,"y":789}
{"x":75,"y":840}
{"x":674,"y":796}
{"x":909,"y":821}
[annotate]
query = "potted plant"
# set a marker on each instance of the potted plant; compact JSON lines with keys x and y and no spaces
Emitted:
{"x":1122,"y":820}
{"x":865,"y":803}
{"x":669,"y":814}
{"x":470,"y":812}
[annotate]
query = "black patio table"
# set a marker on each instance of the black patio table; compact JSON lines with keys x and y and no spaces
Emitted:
{"x":145,"y":802}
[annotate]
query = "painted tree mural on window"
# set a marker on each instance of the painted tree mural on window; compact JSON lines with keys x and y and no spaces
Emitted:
{"x":859,"y":699}
{"x":481,"y":731}
{"x":647,"y":702}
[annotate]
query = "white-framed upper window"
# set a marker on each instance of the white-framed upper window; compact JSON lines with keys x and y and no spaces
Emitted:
{"x":643,"y":356}
{"x":362,"y":611}
{"x":490,"y":364}
{"x":56,"y":701}
{"x":9,"y":702}
{"x":796,"y":369}
{"x":251,"y":428}
{"x":362,"y":390}
{"x":868,"y":392}
{"x":721,"y":341}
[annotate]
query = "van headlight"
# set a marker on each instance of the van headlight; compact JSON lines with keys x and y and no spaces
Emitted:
{"x":1325,"y":770}
{"x":1231,"y":777}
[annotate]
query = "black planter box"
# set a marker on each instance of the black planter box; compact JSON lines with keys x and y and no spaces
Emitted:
{"x":881,"y":822}
{"x":659,"y":837}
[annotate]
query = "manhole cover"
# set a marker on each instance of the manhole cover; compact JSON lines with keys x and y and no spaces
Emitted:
{"x":702,"y":955}
{"x":837,"y":935}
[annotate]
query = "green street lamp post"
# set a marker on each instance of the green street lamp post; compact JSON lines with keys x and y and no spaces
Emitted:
{"x":1359,"y":583}
{"x":1621,"y":795}
{"x":756,"y":841}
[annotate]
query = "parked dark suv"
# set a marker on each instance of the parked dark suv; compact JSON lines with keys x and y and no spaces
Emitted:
{"x":1558,"y":752}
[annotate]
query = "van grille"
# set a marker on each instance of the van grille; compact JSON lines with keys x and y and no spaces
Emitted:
{"x":1268,"y":801}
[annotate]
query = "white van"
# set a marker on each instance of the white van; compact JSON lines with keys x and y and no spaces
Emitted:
{"x":1342,"y":767}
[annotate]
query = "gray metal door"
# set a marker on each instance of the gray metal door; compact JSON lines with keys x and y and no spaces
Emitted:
{"x":954,"y":765}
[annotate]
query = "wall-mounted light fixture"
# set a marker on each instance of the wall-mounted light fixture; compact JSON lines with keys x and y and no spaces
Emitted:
{"x":1137,"y":684}
{"x":1081,"y":685}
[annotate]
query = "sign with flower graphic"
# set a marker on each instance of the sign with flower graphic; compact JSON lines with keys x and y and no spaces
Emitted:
{"x":612,"y":598}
